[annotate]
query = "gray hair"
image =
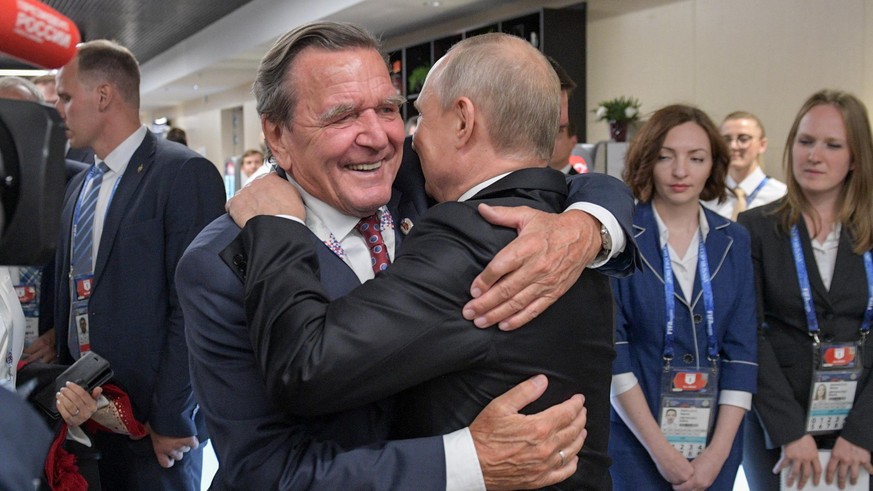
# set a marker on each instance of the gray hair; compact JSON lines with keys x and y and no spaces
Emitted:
{"x":18,"y":84}
{"x":512,"y":84}
{"x":274,"y":91}
{"x":104,"y":60}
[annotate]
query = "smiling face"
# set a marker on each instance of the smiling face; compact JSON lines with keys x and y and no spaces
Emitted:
{"x":821,"y":159}
{"x":345,"y":142}
{"x":683,"y":166}
{"x":745,"y":143}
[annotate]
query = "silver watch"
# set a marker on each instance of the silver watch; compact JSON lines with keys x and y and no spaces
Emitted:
{"x":605,"y":244}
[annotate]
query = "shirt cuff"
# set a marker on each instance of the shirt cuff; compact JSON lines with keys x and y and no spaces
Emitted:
{"x":608,"y":220}
{"x":462,"y":464}
{"x":737,"y":398}
{"x":621,"y":383}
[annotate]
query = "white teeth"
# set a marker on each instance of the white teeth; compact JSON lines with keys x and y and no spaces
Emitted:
{"x":372,"y":166}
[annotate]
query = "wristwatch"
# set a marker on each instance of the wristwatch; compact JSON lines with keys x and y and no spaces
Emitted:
{"x":605,"y":244}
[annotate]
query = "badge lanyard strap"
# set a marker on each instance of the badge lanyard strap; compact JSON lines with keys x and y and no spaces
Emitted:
{"x":751,"y":197}
{"x":708,"y":302}
{"x":806,"y":291}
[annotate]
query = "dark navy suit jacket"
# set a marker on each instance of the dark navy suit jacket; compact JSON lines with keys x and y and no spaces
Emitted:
{"x":259,"y":445}
{"x":165,"y":197}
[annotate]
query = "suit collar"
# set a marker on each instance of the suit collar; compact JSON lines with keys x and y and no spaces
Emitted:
{"x":717,"y":244}
{"x":539,"y":178}
{"x":138,"y":166}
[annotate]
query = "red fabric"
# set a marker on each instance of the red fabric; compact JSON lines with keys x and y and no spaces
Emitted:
{"x":61,"y":470}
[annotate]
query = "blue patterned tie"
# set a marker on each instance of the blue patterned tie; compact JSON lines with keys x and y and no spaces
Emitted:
{"x":83,"y":232}
{"x":83,"y":242}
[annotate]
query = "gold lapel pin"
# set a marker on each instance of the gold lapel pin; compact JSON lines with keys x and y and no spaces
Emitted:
{"x":406,"y":226}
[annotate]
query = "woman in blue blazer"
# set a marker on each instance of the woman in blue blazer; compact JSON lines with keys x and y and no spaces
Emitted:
{"x":818,"y":235}
{"x":686,"y":348}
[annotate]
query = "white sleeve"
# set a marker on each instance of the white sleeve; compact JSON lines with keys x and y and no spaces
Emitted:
{"x":462,"y":464}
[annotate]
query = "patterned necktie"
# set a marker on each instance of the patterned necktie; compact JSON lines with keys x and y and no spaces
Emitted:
{"x":370,"y":228}
{"x":83,"y":231}
{"x":741,"y":202}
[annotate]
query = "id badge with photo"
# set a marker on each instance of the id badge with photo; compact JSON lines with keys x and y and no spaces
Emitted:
{"x":836,"y":371}
{"x":687,"y":411}
{"x":82,"y":326}
{"x":28,"y":297}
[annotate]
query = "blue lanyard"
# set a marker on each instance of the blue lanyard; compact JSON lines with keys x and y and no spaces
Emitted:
{"x":751,"y":197}
{"x":708,"y":301}
{"x":806,"y":291}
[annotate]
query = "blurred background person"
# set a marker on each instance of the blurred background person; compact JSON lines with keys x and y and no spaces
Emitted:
{"x":749,"y":185}
{"x":177,"y":135}
{"x":817,"y":238}
{"x":47,"y":87}
{"x":252,"y":161}
{"x":685,"y":323}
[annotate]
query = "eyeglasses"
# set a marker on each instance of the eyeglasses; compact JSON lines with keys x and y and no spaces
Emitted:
{"x":742,"y":140}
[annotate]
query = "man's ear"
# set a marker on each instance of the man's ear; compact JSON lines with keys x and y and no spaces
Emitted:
{"x":763,"y":145}
{"x":105,"y":95}
{"x":273,"y":139}
{"x":465,"y":113}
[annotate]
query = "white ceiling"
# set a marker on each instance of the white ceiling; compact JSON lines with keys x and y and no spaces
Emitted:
{"x":225,"y":55}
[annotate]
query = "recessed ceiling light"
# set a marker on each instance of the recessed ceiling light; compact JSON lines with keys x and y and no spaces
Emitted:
{"x":432,"y":4}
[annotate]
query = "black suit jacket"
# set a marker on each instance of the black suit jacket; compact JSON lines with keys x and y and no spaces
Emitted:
{"x":165,"y":197}
{"x":785,"y":347}
{"x":404,"y":329}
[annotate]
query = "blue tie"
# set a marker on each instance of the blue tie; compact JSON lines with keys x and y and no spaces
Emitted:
{"x":83,"y":243}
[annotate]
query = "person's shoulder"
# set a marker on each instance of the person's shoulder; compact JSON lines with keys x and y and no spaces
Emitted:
{"x":215,"y":237}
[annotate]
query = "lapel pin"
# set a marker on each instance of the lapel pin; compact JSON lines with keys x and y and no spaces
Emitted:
{"x":139,"y":169}
{"x":406,"y":226}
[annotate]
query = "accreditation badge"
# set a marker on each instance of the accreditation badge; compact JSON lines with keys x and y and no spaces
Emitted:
{"x":84,"y":285}
{"x":28,"y":297}
{"x":82,"y":326}
{"x":687,"y":411}
{"x":836,"y":371}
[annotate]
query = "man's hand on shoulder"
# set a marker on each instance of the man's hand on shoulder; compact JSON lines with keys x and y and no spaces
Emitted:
{"x":266,"y":195}
{"x":519,"y":451}
{"x":535,"y":269}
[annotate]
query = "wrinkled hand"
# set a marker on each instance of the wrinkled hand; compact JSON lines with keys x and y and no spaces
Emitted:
{"x":75,"y":404}
{"x":535,"y":269}
{"x":170,"y":449}
{"x":521,"y":452}
{"x":42,"y":349}
{"x":801,"y":456}
{"x":847,"y":459}
{"x":706,"y":468}
{"x":266,"y":195}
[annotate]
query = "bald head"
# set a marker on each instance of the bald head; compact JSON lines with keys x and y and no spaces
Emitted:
{"x":512,"y":84}
{"x":19,"y":89}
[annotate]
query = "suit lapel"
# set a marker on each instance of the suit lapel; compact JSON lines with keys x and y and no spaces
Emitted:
{"x":124,"y":193}
{"x":717,"y":245}
{"x":815,"y":281}
{"x":649,"y":245}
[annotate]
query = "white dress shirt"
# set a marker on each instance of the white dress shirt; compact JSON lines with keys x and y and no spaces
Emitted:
{"x":770,"y":192}
{"x":12,"y":324}
{"x":826,"y":255}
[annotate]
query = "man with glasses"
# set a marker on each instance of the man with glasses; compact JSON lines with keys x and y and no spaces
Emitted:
{"x":750,"y":187}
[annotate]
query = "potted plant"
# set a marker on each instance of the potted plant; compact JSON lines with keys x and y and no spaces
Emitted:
{"x":619,"y":112}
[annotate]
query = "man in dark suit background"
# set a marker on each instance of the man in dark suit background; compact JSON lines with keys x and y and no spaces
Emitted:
{"x":133,"y":214}
{"x":335,"y":131}
{"x":404,"y":329}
